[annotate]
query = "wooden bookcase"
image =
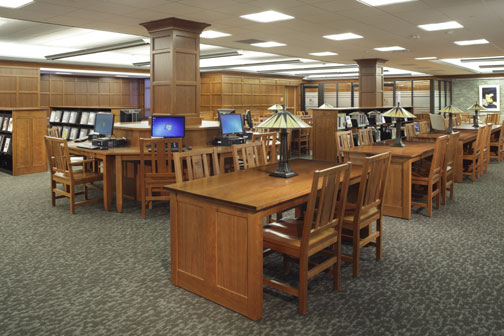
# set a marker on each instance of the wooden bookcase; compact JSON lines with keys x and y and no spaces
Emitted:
{"x":77,"y":119}
{"x":26,"y":153}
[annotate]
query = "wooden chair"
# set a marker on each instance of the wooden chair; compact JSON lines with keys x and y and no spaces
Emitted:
{"x":344,"y":140}
{"x":367,"y":209}
{"x":429,"y":176}
{"x":249,"y":155}
{"x":62,"y":172}
{"x":53,"y":132}
{"x":485,"y":149}
{"x":300,"y":142}
{"x":448,"y":176}
{"x":156,"y":169}
{"x":471,"y":157}
{"x":466,"y":118}
{"x":270,"y":143}
{"x":320,"y":229}
{"x":365,"y":136}
{"x":424,"y":126}
{"x":197,"y":164}
{"x":409,"y":131}
{"x":497,"y":146}
{"x":492,"y":118}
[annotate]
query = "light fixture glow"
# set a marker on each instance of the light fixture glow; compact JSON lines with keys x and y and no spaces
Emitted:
{"x":376,"y":3}
{"x":267,"y":16}
{"x":95,"y":72}
{"x":471,"y":42}
{"x":341,"y":37}
{"x":210,"y":34}
{"x":269,"y":44}
{"x":14,"y":3}
{"x":441,"y":26}
{"x":394,"y":48}
{"x":324,"y":53}
{"x":425,"y":58}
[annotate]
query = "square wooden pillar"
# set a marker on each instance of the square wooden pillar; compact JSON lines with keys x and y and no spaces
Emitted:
{"x":175,"y":71}
{"x":371,"y":81}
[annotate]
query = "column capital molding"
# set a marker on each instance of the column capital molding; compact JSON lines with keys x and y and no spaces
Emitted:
{"x":175,"y":23}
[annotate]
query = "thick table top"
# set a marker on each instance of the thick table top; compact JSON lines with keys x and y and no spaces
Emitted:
{"x":254,"y":189}
{"x":412,"y":150}
{"x":144,"y":125}
{"x":464,"y":136}
{"x":469,"y":127}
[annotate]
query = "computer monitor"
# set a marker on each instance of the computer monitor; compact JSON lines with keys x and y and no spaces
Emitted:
{"x":225,"y":111}
{"x":231,"y":123}
{"x":130,"y":115}
{"x":248,"y":119}
{"x":104,"y":124}
{"x":168,"y":126}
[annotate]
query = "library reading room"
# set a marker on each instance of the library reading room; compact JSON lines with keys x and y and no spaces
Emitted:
{"x":189,"y":167}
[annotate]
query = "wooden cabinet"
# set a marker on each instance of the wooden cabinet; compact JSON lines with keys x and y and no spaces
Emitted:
{"x":26,"y":154}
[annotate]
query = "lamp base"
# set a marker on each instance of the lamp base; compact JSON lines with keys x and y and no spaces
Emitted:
{"x":398,"y":144}
{"x":283,"y":174}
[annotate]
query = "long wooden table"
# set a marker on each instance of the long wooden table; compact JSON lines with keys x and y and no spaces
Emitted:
{"x":216,"y":230}
{"x":397,"y":199}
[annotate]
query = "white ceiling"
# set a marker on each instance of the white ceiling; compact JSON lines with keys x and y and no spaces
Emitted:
{"x":381,"y":26}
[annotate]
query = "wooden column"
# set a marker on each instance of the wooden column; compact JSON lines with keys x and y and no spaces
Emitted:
{"x":371,"y":81}
{"x":175,"y":72}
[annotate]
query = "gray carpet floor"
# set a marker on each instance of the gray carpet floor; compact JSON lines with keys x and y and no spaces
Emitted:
{"x":104,"y":273}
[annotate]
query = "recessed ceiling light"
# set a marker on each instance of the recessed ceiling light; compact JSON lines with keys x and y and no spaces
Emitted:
{"x":213,"y":34}
{"x":471,"y":42}
{"x":324,"y":53}
{"x":376,"y":3}
{"x":441,"y":26}
{"x":267,"y":16}
{"x":269,"y":44}
{"x":394,"y":48}
{"x":341,"y":37}
{"x":14,"y":3}
{"x":425,"y":58}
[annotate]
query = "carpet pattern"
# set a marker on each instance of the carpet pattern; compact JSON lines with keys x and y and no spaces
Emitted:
{"x":103,"y":273}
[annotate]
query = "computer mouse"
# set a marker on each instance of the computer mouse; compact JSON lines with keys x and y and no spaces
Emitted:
{"x":189,"y":147}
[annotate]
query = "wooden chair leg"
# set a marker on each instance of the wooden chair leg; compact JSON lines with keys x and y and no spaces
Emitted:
{"x":452,"y":188}
{"x":429,"y":200}
{"x":72,"y":198}
{"x":443,"y":190}
{"x":303,"y":286}
{"x":143,"y":203}
{"x":337,"y":266}
{"x":379,"y":228}
{"x":85,"y":192}
{"x":355,"y":254}
{"x":53,"y":195}
{"x":438,"y":195}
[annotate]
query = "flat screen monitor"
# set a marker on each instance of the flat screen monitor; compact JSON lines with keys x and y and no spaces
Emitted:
{"x":168,"y":126}
{"x":231,"y":123}
{"x":130,"y":115}
{"x":104,"y":124}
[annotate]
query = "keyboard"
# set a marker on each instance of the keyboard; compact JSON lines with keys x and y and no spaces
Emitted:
{"x":88,"y":146}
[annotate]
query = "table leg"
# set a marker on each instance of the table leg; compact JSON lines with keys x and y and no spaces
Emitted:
{"x":119,"y":183}
{"x":107,"y":182}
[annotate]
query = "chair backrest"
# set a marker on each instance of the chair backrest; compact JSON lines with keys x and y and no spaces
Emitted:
{"x":437,"y":122}
{"x":197,"y":164}
{"x":492,"y":118}
{"x":365,"y":136}
{"x":53,"y":132}
{"x":451,"y":150}
{"x":409,"y":130}
{"x":501,"y":134}
{"x":344,"y":140}
{"x":372,"y":184}
{"x":326,"y":206}
{"x":252,"y":155}
{"x":486,"y":137}
{"x":423,"y":126}
{"x":466,"y":118}
{"x":58,"y":156}
{"x":158,"y":154}
{"x":438,"y":157}
{"x":270,"y":143}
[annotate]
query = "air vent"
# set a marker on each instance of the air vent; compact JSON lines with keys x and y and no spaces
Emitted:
{"x":250,"y":41}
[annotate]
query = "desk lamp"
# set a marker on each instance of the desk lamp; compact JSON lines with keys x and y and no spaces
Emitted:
{"x":476,"y":108}
{"x":451,"y":110}
{"x":283,"y":120}
{"x":398,"y":113}
{"x":326,"y":106}
{"x":275,"y":107}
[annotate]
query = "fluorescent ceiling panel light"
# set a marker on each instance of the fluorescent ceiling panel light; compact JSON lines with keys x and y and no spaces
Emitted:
{"x":324,"y":53}
{"x":267,"y":16}
{"x":333,"y":67}
{"x":341,"y":37}
{"x":95,"y":72}
{"x":471,"y":42}
{"x":14,"y":3}
{"x":394,"y":48}
{"x":269,"y":44}
{"x":425,"y":58}
{"x":62,"y":73}
{"x":376,"y":3}
{"x":117,"y":46}
{"x":210,"y":34}
{"x":441,"y":26}
{"x":482,"y":59}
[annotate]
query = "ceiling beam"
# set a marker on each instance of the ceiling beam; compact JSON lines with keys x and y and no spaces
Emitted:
{"x":110,"y":47}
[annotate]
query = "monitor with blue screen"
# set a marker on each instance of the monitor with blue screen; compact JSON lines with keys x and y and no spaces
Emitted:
{"x":231,"y":123}
{"x":104,"y":124}
{"x":168,"y":126}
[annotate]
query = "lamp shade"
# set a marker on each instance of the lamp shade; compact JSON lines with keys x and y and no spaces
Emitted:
{"x":475,"y":107}
{"x":398,"y":112}
{"x":283,"y":119}
{"x":451,"y":109}
{"x":275,"y":107}
{"x":326,"y":106}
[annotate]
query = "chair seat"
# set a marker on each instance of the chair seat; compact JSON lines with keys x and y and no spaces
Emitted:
{"x":79,"y":177}
{"x":365,"y":217}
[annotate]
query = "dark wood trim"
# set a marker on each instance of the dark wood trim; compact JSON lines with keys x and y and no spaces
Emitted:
{"x":175,"y":23}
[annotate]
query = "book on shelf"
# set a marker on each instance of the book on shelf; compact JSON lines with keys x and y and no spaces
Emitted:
{"x":57,"y":116}
{"x":2,"y":138}
{"x":348,"y":121}
{"x":1,"y":123}
{"x":9,"y":127}
{"x":5,"y":123}
{"x":7,"y":145}
{"x":53,"y":116}
{"x":60,"y":129}
{"x":66,"y":117}
{"x":83,"y":132}
{"x":73,"y":133}
{"x":73,"y":117}
{"x":65,"y":133}
{"x":92,"y":117}
{"x":84,"y":118}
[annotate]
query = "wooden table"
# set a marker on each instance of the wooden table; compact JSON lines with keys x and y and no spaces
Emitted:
{"x":470,"y":128}
{"x":216,"y":230}
{"x":397,"y":199}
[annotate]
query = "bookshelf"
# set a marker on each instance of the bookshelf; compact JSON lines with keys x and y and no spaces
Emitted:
{"x":22,"y":149}
{"x":74,"y":123}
